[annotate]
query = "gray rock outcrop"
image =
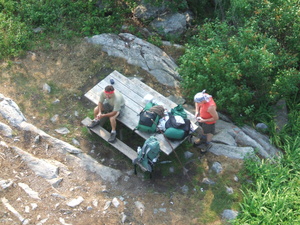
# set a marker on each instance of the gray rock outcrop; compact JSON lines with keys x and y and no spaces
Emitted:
{"x":139,"y":53}
{"x":170,"y":24}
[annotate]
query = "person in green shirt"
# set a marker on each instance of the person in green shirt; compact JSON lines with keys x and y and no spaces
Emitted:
{"x":111,"y":104}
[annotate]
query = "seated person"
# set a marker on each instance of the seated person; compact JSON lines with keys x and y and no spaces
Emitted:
{"x":111,"y":104}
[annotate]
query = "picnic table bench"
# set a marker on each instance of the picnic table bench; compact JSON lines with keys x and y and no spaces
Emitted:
{"x":133,"y":91}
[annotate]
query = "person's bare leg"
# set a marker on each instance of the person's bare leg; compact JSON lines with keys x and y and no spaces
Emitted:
{"x":113,"y":122}
{"x":96,"y":111}
{"x":209,"y":137}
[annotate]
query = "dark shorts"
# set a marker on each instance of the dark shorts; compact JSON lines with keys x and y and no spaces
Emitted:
{"x":108,"y":108}
{"x":208,"y":128}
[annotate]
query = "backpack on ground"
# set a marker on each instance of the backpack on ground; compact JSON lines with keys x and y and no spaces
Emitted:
{"x":149,"y":118}
{"x":148,"y":155}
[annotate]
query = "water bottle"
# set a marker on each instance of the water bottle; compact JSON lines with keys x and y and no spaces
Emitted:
{"x":139,"y":149}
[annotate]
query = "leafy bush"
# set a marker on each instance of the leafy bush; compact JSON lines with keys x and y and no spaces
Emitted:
{"x":237,"y":66}
{"x":59,"y":18}
{"x":273,"y":198}
{"x":14,"y":36}
{"x":279,"y":19}
{"x":79,"y":16}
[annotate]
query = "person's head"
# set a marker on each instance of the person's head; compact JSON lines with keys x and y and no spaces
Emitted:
{"x":109,"y":91}
{"x":202,"y":97}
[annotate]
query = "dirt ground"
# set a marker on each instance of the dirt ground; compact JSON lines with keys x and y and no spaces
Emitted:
{"x":71,"y":70}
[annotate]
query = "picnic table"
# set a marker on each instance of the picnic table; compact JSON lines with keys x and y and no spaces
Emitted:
{"x":133,"y":91}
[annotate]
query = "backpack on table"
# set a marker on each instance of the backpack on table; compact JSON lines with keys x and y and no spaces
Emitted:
{"x":148,"y":155}
{"x":177,"y":130}
{"x":149,"y":117}
{"x":179,"y":111}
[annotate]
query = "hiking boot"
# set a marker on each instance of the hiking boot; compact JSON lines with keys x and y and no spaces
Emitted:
{"x":112,"y":137}
{"x":205,"y":147}
{"x":93,"y":123}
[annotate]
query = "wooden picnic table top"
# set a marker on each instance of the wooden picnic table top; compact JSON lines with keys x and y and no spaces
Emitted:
{"x":133,"y":91}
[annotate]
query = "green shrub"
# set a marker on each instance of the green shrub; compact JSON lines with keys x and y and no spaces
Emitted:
{"x":14,"y":36}
{"x":279,"y":19}
{"x":78,"y":16}
{"x":59,"y":19}
{"x":239,"y":67}
{"x":273,"y":198}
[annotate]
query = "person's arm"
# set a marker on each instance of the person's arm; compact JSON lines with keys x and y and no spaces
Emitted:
{"x":100,"y":107}
{"x":197,"y":110}
{"x":110,"y":114}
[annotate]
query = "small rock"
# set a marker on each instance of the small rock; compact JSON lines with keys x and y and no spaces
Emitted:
{"x":29,"y":191}
{"x":38,"y":30}
{"x":188,"y":155}
{"x":37,"y":139}
{"x":27,"y":209}
{"x":54,"y":119}
{"x":56,"y":101}
{"x":115,"y":202}
{"x":33,"y":206}
{"x":107,"y":204}
{"x":207,"y":181}
{"x":140,"y":206}
{"x":171,"y":169}
{"x":63,"y":221}
{"x":229,"y":214}
{"x":55,"y":182}
{"x":46,"y":88}
{"x":229,"y":190}
{"x":57,"y":195}
{"x":75,"y":202}
{"x":62,"y":130}
{"x":126,"y":178}
{"x":162,"y":210}
{"x":217,"y":167}
{"x":95,"y":202}
{"x":123,"y":218}
{"x":235,"y":178}
{"x":75,"y":142}
{"x":185,"y":189}
{"x":261,"y":126}
{"x":6,"y":183}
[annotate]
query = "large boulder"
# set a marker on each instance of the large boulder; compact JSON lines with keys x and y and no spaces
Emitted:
{"x":170,"y":24}
{"x":139,"y":53}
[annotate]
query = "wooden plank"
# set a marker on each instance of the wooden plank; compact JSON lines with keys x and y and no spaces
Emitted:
{"x":121,"y":146}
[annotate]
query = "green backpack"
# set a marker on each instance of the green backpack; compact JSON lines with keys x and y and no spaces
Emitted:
{"x":179,"y":111}
{"x":148,"y":154}
{"x":148,"y":120}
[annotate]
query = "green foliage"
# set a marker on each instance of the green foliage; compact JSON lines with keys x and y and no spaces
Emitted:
{"x":279,"y":19}
{"x":237,"y":66}
{"x":63,"y":19}
{"x":273,"y":197}
{"x":286,"y":84}
{"x":176,"y":5}
{"x":62,"y":16}
{"x":14,"y":36}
